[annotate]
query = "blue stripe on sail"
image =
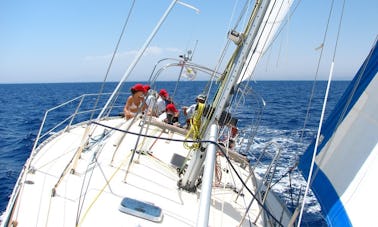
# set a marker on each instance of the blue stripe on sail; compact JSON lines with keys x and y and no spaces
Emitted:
{"x":326,"y":194}
{"x":332,"y":206}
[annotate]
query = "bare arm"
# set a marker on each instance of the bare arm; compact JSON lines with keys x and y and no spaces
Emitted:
{"x":126,"y":109}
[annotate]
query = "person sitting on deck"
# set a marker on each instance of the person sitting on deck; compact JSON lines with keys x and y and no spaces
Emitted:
{"x":151,"y":100}
{"x":189,"y":111}
{"x":146,"y":88}
{"x":135,"y":102}
{"x":172,"y":115}
{"x":161,"y":102}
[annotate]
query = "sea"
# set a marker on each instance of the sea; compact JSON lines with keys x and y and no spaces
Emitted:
{"x":281,"y":120}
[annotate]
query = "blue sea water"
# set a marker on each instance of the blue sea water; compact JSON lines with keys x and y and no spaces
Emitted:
{"x":23,"y":107}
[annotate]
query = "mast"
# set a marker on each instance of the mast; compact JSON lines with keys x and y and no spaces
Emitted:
{"x":262,"y":19}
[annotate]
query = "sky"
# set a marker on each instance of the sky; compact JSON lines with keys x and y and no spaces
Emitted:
{"x":73,"y":40}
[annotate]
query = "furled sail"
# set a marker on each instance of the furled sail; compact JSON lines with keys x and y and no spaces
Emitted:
{"x":267,"y":29}
{"x":346,"y":165}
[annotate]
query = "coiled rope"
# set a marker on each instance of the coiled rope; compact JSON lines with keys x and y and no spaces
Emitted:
{"x":195,"y":126}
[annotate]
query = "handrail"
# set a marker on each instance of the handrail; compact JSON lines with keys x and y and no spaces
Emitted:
{"x":44,"y":120}
{"x":265,"y":180}
{"x":75,"y":111}
{"x":18,"y":185}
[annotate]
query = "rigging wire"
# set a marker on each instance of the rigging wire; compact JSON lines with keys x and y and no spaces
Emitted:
{"x":333,"y":59}
{"x":113,"y":57}
{"x":259,"y":39}
{"x":231,"y":60}
{"x":280,"y":29}
{"x":221,"y":57}
{"x":344,"y":112}
{"x":283,"y":26}
{"x":269,"y":46}
{"x":316,"y":74}
{"x":286,"y":22}
{"x":103,"y":86}
{"x":310,"y":179}
{"x":223,"y":53}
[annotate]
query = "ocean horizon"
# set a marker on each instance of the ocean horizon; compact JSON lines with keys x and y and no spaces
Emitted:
{"x":188,"y":81}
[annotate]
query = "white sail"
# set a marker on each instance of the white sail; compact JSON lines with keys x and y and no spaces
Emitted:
{"x":276,"y":13}
{"x":346,"y":168}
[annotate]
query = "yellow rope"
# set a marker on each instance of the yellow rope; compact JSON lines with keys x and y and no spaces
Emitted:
{"x":195,"y":126}
{"x":102,"y":190}
{"x":161,"y":163}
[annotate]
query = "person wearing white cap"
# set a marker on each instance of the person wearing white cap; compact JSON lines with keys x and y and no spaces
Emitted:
{"x":189,"y":111}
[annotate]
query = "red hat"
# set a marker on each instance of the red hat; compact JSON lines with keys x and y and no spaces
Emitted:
{"x":171,"y":107}
{"x":138,"y":87}
{"x":164,"y":93}
{"x":146,"y":87}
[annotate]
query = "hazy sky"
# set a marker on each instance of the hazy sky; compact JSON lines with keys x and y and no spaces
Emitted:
{"x":73,"y":40}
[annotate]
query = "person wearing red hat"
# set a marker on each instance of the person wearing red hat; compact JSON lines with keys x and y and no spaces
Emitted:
{"x":146,"y":87}
{"x":164,"y":93}
{"x":172,"y":115}
{"x":135,"y":102}
{"x":171,"y":108}
{"x":161,"y":101}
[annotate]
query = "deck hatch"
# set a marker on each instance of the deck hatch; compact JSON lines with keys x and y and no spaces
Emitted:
{"x":177,"y":160}
{"x":141,"y":209}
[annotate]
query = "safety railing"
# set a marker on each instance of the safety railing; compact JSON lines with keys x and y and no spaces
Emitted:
{"x":79,"y":109}
{"x":266,"y":160}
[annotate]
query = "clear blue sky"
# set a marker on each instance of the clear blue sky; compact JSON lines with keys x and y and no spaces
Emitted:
{"x":73,"y":40}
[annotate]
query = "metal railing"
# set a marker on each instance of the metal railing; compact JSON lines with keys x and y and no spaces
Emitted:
{"x":77,"y":110}
{"x":264,"y":185}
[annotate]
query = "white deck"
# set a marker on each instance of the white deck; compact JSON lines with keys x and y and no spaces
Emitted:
{"x":92,"y":196}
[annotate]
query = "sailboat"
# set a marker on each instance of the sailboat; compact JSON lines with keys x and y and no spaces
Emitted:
{"x":112,"y":171}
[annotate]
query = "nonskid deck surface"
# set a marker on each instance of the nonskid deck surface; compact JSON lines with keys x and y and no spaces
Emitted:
{"x":105,"y":174}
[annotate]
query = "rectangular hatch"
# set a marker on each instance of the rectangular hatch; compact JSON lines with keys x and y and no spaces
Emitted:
{"x":141,"y":209}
